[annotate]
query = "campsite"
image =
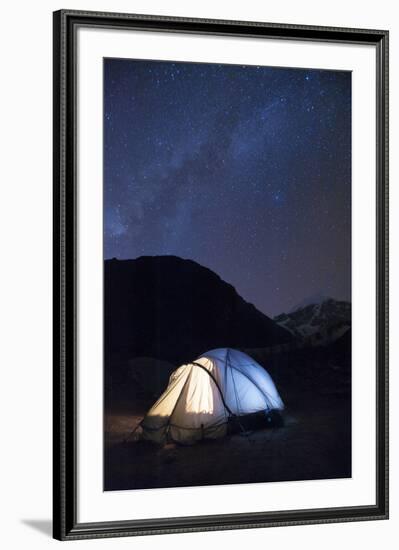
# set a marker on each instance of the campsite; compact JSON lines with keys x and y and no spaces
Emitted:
{"x":227,"y":226}
{"x":313,"y":441}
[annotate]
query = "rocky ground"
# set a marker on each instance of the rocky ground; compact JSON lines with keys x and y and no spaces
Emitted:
{"x":314,"y":443}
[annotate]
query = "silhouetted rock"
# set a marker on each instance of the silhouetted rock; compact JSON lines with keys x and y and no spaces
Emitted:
{"x":341,"y":349}
{"x":175,"y":310}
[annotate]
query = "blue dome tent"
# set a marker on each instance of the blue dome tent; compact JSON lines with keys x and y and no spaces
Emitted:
{"x":202,"y":397}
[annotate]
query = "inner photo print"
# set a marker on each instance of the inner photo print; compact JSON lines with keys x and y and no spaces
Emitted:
{"x":227,"y":274}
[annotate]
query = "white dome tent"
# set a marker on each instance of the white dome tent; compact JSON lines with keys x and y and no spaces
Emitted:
{"x":204,"y":395}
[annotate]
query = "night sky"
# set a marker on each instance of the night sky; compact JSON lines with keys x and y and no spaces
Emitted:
{"x":244,"y":169}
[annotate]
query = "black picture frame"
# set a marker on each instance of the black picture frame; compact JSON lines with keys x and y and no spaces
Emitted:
{"x":66,"y":527}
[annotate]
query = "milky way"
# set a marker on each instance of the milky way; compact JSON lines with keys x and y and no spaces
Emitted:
{"x":244,"y":169}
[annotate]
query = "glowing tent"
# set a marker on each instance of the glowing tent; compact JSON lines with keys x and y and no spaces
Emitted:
{"x":203,"y":396}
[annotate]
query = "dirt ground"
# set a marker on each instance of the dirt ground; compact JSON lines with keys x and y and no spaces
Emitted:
{"x":314,"y":443}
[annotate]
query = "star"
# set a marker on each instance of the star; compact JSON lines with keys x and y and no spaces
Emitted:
{"x":244,"y":169}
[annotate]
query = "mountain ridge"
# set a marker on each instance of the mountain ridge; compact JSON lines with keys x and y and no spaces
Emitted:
{"x":175,"y":309}
{"x":313,"y":299}
{"x":321,"y":322}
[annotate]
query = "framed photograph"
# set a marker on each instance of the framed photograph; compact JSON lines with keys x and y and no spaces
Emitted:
{"x":220,"y":274}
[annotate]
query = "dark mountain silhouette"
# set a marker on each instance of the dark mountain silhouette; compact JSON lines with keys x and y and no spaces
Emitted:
{"x":174,"y":309}
{"x":342,"y":348}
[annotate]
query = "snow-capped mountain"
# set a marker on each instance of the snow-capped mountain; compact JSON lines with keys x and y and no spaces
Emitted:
{"x":314,"y":299}
{"x":318,"y":323}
